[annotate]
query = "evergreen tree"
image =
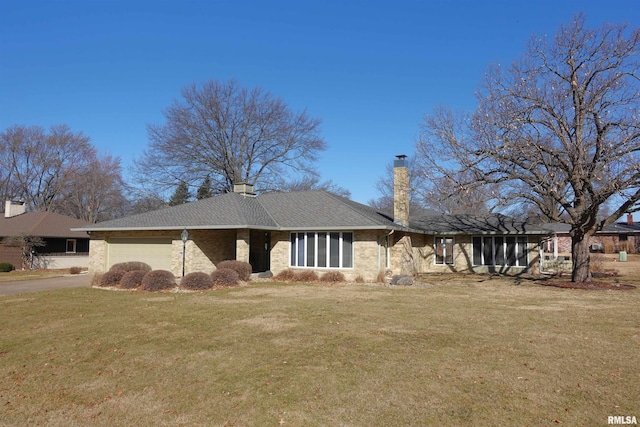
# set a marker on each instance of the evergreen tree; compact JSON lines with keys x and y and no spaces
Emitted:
{"x":204,"y":191}
{"x":181,"y":195}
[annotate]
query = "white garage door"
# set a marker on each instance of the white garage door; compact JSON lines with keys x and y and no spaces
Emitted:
{"x":154,"y":251}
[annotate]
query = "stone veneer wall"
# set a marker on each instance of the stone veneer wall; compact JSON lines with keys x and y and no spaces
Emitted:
{"x":368,"y":255}
{"x":204,"y":249}
{"x":97,"y":253}
{"x":422,"y":256}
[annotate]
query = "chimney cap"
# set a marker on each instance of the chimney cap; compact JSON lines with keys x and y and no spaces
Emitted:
{"x":400,"y":161}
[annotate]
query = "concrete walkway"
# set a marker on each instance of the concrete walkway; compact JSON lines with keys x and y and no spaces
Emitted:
{"x":23,"y":286}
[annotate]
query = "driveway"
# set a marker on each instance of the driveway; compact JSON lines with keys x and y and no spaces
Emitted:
{"x":23,"y":286}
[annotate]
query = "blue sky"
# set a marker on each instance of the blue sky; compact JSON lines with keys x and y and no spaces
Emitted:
{"x":369,"y":69}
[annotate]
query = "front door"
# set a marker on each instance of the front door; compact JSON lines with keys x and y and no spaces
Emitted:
{"x":259,"y":248}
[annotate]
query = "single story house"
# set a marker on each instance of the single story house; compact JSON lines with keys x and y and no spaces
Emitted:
{"x":621,"y":236}
{"x":62,"y":248}
{"x":314,"y":230}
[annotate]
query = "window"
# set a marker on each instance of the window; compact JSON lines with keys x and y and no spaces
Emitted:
{"x":322,"y":249}
{"x":71,"y":246}
{"x":509,"y":251}
{"x":444,"y":250}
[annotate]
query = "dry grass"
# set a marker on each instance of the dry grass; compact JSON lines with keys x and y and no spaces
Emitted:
{"x":473,"y":350}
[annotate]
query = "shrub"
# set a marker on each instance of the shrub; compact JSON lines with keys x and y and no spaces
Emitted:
{"x":609,"y":247}
{"x":132,"y":279}
{"x":332,"y":277}
{"x":243,"y":269}
{"x":307,"y":276}
{"x":131,"y":266}
{"x":359,"y":279}
{"x":196,"y":281}
{"x":382,"y":277}
{"x":5,"y":267}
{"x":75,"y":270}
{"x":158,"y":280}
{"x":285,"y":276}
{"x":111,"y":278}
{"x":628,"y":247}
{"x":95,"y":280}
{"x":225,"y":277}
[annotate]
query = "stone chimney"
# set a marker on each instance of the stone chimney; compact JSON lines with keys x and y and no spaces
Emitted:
{"x":401,"y":190}
{"x":13,"y":208}
{"x":629,"y":219}
{"x":244,"y":189}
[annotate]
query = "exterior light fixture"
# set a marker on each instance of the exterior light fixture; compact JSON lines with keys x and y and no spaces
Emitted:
{"x":184,"y":236}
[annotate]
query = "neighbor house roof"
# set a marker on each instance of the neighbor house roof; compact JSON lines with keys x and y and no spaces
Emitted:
{"x":42,"y":224}
{"x":304,"y":210}
{"x":617,"y":228}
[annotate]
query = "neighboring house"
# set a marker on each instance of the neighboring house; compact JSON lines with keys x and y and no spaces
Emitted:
{"x":314,"y":230}
{"x":621,"y":236}
{"x":62,"y":248}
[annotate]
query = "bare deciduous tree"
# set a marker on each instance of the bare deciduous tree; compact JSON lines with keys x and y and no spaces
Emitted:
{"x":27,"y":245}
{"x":59,"y":170}
{"x":94,"y":191}
{"x":312,"y":182}
{"x":233,"y":134}
{"x":40,"y":163}
{"x":560,"y":127}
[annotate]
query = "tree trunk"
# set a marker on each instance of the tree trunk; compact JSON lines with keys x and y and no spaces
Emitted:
{"x":581,"y":258}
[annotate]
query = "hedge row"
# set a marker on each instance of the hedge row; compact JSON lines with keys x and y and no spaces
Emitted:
{"x":309,"y":276}
{"x":138,"y":275}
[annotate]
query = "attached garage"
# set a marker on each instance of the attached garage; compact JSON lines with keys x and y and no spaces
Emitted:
{"x":154,"y":251}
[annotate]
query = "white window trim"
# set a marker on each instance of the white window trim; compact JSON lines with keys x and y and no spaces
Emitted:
{"x":504,"y":251}
{"x":305,"y":241}
{"x":444,"y":250}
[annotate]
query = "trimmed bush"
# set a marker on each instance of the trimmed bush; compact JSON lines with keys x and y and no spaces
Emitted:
{"x":131,"y":266}
{"x":5,"y":267}
{"x":196,"y":281}
{"x":75,"y":270}
{"x":95,"y":280}
{"x":332,"y":277}
{"x":307,"y":276}
{"x":225,"y":277}
{"x":243,"y":269}
{"x":285,"y":276}
{"x":132,"y":279}
{"x":158,"y":280}
{"x":111,"y":278}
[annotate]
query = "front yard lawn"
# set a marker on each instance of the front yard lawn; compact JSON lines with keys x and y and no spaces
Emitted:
{"x":481,"y":351}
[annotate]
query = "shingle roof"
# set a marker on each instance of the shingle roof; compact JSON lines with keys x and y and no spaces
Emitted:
{"x":468,"y":224}
{"x":271,"y":211}
{"x":303,"y":210}
{"x":617,"y":228}
{"x":42,"y":224}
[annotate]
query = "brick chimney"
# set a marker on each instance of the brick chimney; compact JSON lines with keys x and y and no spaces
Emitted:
{"x":629,"y":219}
{"x":401,"y":190}
{"x":13,"y":208}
